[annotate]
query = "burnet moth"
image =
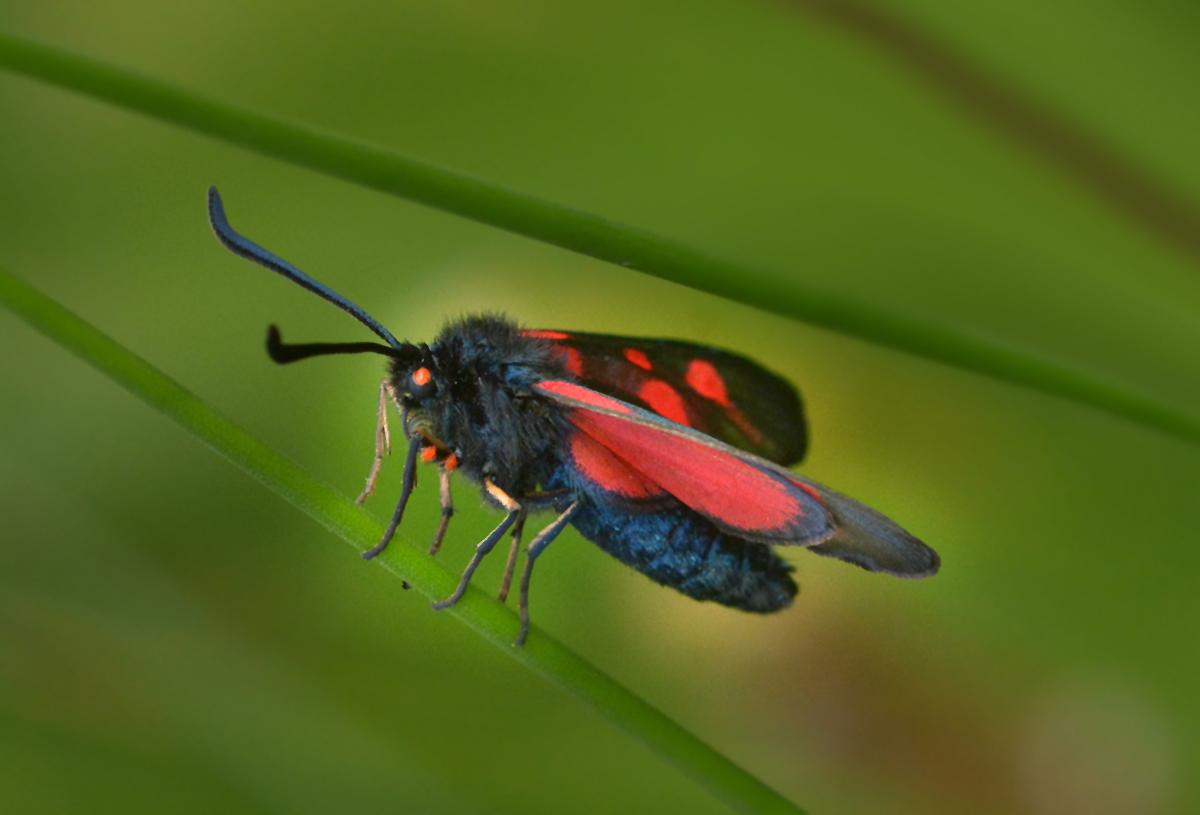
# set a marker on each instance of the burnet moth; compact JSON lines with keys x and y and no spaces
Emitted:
{"x":670,"y":456}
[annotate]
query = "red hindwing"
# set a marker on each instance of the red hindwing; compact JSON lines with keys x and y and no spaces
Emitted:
{"x":743,"y":495}
{"x":637,"y":455}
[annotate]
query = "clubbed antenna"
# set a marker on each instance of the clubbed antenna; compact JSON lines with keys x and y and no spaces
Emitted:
{"x":252,"y":251}
{"x":283,"y":352}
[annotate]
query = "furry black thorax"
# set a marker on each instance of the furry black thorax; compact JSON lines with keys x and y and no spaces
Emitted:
{"x":479,"y":400}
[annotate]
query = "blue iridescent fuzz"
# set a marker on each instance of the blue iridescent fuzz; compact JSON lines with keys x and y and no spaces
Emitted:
{"x":678,"y":548}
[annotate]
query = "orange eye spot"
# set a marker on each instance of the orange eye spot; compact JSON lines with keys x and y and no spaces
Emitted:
{"x":451,"y":462}
{"x":421,"y":376}
{"x":428,"y":453}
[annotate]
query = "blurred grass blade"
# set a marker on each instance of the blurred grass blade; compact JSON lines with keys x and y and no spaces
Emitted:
{"x":1129,"y":188}
{"x":497,"y":623}
{"x":591,"y":235}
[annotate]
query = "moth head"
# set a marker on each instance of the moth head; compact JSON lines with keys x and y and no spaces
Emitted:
{"x":415,"y":375}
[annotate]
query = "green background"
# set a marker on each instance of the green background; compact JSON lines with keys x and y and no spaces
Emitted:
{"x":175,"y":638}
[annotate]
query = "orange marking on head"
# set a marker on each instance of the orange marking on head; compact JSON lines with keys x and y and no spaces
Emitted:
{"x":703,"y":378}
{"x":422,"y":376}
{"x":428,"y":453}
{"x":664,"y":400}
{"x":546,"y":335}
{"x":451,"y":462}
{"x":637,"y":358}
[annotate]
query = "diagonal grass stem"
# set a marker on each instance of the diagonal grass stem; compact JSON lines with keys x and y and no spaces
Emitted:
{"x":591,"y":235}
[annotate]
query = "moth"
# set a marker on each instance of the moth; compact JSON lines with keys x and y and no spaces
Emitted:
{"x":671,"y":456}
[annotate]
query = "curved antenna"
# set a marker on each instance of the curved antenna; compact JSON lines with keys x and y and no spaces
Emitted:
{"x":252,"y":251}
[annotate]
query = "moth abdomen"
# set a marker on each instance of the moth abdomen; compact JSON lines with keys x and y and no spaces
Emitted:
{"x":678,"y":548}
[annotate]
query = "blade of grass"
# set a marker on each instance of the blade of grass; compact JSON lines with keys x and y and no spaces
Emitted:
{"x":495,"y":622}
{"x":1034,"y":127}
{"x":591,"y":235}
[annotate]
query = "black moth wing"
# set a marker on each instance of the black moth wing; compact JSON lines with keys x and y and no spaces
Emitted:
{"x":718,"y":393}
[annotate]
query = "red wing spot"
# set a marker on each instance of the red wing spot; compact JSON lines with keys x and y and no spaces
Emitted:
{"x":607,"y":471}
{"x":637,"y":358}
{"x":744,"y":424}
{"x":703,"y":378}
{"x":546,"y":335}
{"x":581,"y":394}
{"x":664,"y":400}
{"x":574,"y":361}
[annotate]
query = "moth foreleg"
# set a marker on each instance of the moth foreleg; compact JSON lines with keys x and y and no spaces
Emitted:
{"x":406,"y":488}
{"x":447,"y":510}
{"x":487,"y":544}
{"x":383,"y":444}
{"x":536,"y":547}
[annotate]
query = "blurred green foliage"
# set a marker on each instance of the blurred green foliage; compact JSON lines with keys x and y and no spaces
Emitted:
{"x":174,"y":638}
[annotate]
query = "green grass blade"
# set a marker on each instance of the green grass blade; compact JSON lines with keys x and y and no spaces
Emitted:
{"x":591,"y":235}
{"x":495,"y":622}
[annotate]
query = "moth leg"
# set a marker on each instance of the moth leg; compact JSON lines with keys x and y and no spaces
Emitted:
{"x":410,"y":470}
{"x":383,"y":444}
{"x":536,"y":547}
{"x":447,"y":510}
{"x":487,"y":544}
{"x":518,"y":529}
